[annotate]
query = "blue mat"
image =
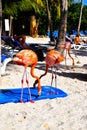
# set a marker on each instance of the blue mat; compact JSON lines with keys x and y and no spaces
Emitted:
{"x":13,"y":95}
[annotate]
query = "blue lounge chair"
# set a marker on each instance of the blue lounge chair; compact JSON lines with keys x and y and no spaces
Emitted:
{"x":82,"y":33}
{"x":74,"y":32}
{"x":85,"y":32}
{"x":4,"y":60}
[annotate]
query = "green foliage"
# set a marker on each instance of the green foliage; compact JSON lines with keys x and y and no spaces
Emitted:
{"x":73,"y":17}
{"x":43,"y":22}
{"x":25,"y":5}
{"x":15,"y":6}
{"x":39,"y":2}
{"x":11,"y":9}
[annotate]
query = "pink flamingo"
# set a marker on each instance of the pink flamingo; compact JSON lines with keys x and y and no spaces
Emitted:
{"x":52,"y":59}
{"x":67,"y":46}
{"x":27,"y":58}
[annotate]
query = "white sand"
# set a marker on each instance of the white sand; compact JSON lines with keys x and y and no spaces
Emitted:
{"x":68,"y":113}
{"x":37,"y":40}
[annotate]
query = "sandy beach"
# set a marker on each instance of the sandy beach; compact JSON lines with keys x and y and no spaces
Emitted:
{"x":69,"y":113}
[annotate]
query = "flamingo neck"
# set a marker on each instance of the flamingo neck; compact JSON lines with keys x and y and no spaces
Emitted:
{"x":34,"y":76}
{"x":45,"y":71}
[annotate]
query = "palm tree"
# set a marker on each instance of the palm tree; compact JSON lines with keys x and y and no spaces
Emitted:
{"x":57,"y":6}
{"x":82,"y":2}
{"x":0,"y":18}
{"x":12,"y":8}
{"x":49,"y":19}
{"x":35,"y":4}
{"x":0,"y":24}
{"x":63,"y":22}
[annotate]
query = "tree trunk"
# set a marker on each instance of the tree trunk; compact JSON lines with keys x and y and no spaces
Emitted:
{"x":63,"y":22}
{"x":0,"y":20}
{"x":33,"y":27}
{"x":0,"y":25}
{"x":49,"y":20}
{"x":11,"y":27}
{"x":79,"y":25}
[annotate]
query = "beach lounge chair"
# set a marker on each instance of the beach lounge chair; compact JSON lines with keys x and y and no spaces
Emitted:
{"x":74,"y":32}
{"x":6,"y":57}
{"x":11,"y":46}
{"x":79,"y":47}
{"x":82,"y":33}
{"x":7,"y":53}
{"x":13,"y":43}
{"x":4,"y":61}
{"x":85,"y":32}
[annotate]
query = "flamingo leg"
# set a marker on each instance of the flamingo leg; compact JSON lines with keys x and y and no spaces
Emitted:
{"x":73,"y":64}
{"x":27,"y":81}
{"x":56,"y":79}
{"x":52,"y":76}
{"x":22,"y":82}
{"x":66,"y":58}
{"x":52,"y":79}
{"x":77,"y":56}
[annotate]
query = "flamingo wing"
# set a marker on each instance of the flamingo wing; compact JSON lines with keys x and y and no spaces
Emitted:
{"x":26,"y":58}
{"x":53,"y":57}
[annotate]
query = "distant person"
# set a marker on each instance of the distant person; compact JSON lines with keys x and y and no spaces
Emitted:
{"x":68,"y":39}
{"x":78,"y":40}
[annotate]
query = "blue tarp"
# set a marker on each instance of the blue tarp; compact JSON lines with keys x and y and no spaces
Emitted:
{"x":13,"y":95}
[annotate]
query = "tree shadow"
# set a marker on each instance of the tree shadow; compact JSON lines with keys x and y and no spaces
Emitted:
{"x":71,"y":74}
{"x":80,"y":52}
{"x":80,"y":76}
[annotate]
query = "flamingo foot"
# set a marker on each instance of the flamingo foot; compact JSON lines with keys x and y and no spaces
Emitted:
{"x":65,"y":67}
{"x":21,"y":101}
{"x":72,"y":67}
{"x":31,"y":101}
{"x":56,"y":92}
{"x":53,"y":92}
{"x":78,"y":62}
{"x":50,"y":92}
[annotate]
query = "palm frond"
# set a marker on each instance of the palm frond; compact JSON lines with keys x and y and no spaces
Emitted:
{"x":39,"y":2}
{"x":25,"y":5}
{"x":11,"y":9}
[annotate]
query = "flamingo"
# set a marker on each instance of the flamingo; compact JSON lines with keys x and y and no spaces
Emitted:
{"x":67,"y":46}
{"x":26,"y":58}
{"x":52,"y":59}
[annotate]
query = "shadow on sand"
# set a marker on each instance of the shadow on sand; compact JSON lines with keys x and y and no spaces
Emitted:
{"x":71,"y":74}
